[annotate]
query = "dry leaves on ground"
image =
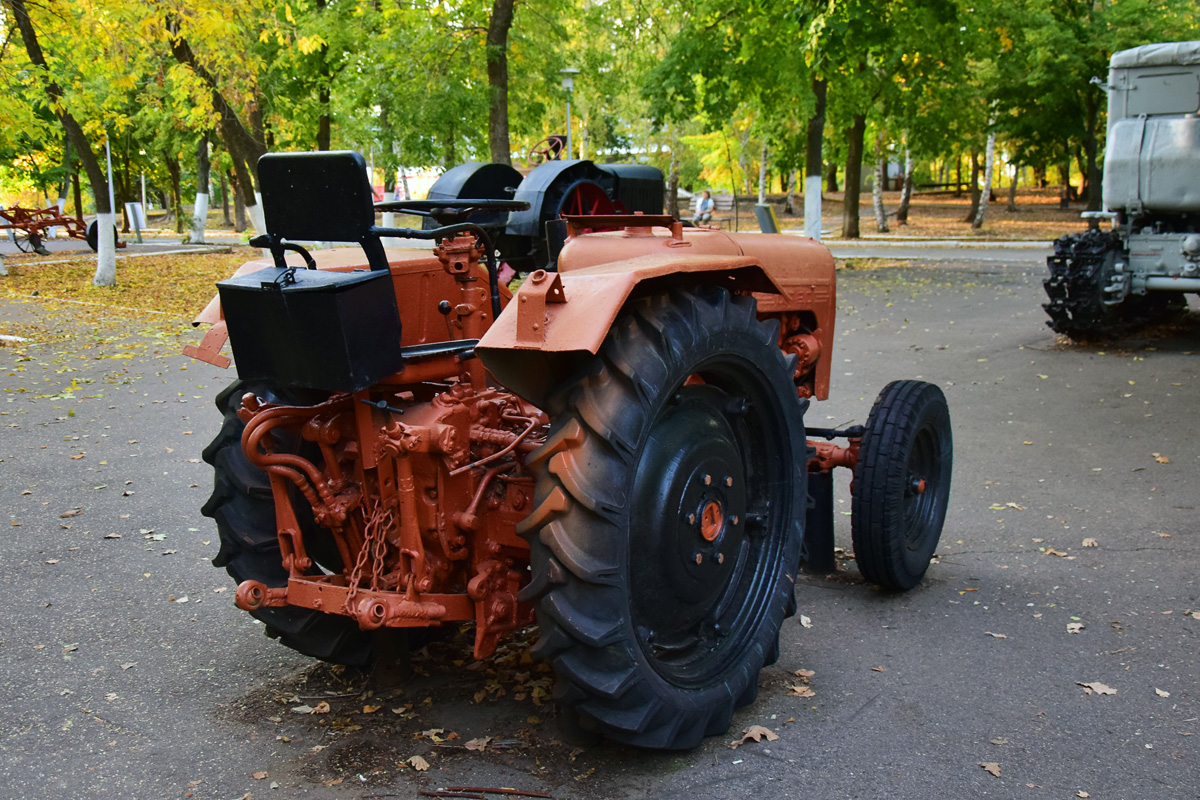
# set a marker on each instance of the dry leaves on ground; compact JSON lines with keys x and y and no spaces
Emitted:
{"x":418,"y":763}
{"x":754,"y":733}
{"x":991,"y":766}
{"x":1096,"y":687}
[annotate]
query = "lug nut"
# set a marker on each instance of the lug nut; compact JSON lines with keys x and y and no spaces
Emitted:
{"x":691,"y":519}
{"x":729,"y":481}
{"x":708,"y":480}
{"x":720,"y":558}
{"x":699,"y":558}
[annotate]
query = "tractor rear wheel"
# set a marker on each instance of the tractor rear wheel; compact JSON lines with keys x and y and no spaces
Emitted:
{"x":901,"y":484}
{"x":669,"y":510}
{"x":244,"y":510}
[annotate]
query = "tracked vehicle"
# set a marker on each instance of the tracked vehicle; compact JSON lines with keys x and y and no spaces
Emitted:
{"x":1105,"y":283}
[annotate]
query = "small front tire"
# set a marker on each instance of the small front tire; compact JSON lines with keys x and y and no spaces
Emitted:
{"x":902,"y":484}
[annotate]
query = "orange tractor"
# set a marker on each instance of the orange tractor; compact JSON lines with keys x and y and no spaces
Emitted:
{"x":617,"y":451}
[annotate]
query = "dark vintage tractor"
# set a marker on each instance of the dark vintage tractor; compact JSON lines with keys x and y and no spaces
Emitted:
{"x":554,"y":188}
{"x":617,"y":452}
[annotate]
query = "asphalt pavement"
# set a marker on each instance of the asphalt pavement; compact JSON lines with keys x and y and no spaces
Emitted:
{"x":1051,"y":652}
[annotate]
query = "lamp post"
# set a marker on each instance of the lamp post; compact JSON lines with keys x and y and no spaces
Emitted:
{"x":568,"y":85}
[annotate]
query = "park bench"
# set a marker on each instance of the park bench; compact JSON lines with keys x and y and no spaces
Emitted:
{"x":722,"y":208}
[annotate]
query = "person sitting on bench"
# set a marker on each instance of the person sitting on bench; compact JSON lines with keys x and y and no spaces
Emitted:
{"x":704,"y":209}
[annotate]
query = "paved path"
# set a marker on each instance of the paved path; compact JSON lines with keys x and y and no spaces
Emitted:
{"x":116,"y":687}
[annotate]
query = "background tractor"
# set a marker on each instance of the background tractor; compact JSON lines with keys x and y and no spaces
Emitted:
{"x":1106,"y":283}
{"x":617,"y":452}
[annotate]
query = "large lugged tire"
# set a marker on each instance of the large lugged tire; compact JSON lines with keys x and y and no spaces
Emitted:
{"x":242,"y":505}
{"x":902,"y":484}
{"x":669,"y":510}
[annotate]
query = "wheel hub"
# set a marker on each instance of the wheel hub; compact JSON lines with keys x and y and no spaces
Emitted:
{"x":690,"y":495}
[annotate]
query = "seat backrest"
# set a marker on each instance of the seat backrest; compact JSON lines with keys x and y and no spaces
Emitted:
{"x":323,"y":197}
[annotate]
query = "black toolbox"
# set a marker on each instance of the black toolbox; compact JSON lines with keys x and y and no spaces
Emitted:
{"x":313,"y":329}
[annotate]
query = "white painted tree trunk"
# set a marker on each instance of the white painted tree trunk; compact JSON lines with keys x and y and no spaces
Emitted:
{"x":881,"y":223}
{"x":989,"y":156}
{"x":199,"y":219}
{"x":3,"y":270}
{"x":256,"y":215}
{"x":812,"y":207}
{"x":106,"y":250}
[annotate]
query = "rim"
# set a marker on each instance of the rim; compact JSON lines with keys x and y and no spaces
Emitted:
{"x":922,"y":487}
{"x":711,"y":502}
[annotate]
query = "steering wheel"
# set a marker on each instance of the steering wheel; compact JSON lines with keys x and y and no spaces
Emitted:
{"x":450,"y":212}
{"x":549,"y":149}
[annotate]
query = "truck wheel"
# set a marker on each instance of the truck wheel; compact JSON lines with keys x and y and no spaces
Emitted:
{"x":669,"y":510}
{"x":244,"y":510}
{"x":901,"y":484}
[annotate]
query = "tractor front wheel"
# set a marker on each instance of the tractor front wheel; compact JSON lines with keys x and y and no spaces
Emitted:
{"x":669,"y":511}
{"x":901,"y":484}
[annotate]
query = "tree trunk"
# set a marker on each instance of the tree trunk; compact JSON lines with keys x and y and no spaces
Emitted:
{"x":831,"y":178}
{"x":789,"y":204}
{"x":762,"y":173}
{"x":958,"y":181}
{"x":975,"y":170}
{"x":325,"y":79}
{"x":853,"y":177}
{"x":881,"y":224}
{"x":673,"y":175}
{"x":225,"y":200}
{"x":106,"y":256}
{"x":176,"y":189}
{"x":742,"y":162}
{"x":200,"y":212}
{"x":906,"y":190}
{"x":989,"y":156}
{"x":497,"y":71}
{"x":1012,"y":188}
{"x":813,"y":159}
{"x":1091,"y":146}
{"x":77,"y":191}
{"x":244,"y":147}
{"x":239,"y":206}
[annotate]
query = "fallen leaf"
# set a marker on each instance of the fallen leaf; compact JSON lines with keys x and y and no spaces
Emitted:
{"x":1161,"y":459}
{"x":995,"y":635}
{"x":1194,"y":615}
{"x":258,"y":776}
{"x":756,"y":733}
{"x":128,"y":665}
{"x":804,"y":673}
{"x":478,"y":744}
{"x":1015,"y":506}
{"x":305,"y":709}
{"x":878,"y":669}
{"x":71,"y":648}
{"x":1074,"y":627}
{"x":112,"y":536}
{"x":999,"y":740}
{"x":1097,"y":687}
{"x":321,"y":708}
{"x":74,"y":512}
{"x":1050,"y":551}
{"x":1090,"y":542}
{"x":800,"y":690}
{"x":1082,"y":793}
{"x":333,"y":782}
{"x":369,"y":709}
{"x":805,"y":621}
{"x":418,"y":763}
{"x":991,"y":767}
{"x":52,"y":561}
{"x":111,"y":696}
{"x":1161,"y":693}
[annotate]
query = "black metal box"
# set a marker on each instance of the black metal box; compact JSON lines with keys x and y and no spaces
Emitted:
{"x":314,"y":329}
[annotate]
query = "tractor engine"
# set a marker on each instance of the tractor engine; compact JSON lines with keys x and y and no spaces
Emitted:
{"x":408,"y":503}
